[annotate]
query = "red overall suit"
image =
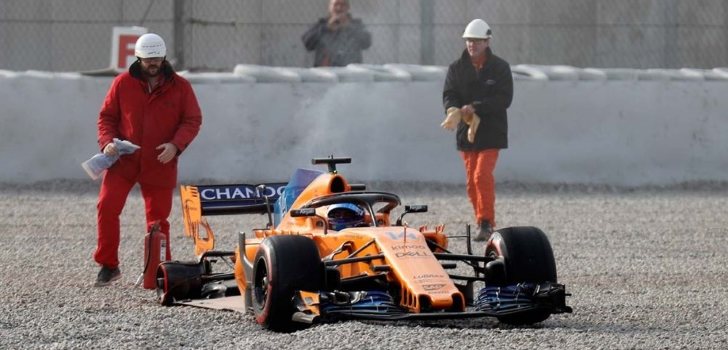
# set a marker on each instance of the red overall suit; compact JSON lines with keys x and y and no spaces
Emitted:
{"x":168,"y":114}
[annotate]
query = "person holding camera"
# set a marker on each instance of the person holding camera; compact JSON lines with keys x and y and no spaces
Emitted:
{"x":338,"y":39}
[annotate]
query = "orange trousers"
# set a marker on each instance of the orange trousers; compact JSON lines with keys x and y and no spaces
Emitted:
{"x":480,"y":182}
{"x":112,"y":197}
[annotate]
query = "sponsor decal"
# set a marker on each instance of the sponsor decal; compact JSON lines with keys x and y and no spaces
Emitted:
{"x":238,"y":192}
{"x":438,"y":292}
{"x":431,"y":287}
{"x":401,"y":235}
{"x":428,"y":276}
{"x":408,"y":246}
{"x":412,"y":254}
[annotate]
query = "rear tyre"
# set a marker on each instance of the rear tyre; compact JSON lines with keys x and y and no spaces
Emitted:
{"x":178,"y":280}
{"x":527,"y":257}
{"x":283,"y":265}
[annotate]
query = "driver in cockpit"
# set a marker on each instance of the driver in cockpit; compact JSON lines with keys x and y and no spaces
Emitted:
{"x":345,"y":215}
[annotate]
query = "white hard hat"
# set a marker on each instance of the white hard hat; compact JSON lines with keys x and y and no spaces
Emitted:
{"x":150,"y":45}
{"x":477,"y":29}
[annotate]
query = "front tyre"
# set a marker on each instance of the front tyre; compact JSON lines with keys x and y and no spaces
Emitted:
{"x":283,"y":265}
{"x":527,"y":257}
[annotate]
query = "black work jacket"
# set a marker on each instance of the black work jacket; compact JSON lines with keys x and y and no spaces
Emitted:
{"x":489,"y":90}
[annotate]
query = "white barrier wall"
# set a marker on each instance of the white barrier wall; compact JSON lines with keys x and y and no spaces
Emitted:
{"x":566,"y":126}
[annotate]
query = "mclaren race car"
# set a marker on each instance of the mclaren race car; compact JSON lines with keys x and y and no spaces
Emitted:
{"x":305,"y":267}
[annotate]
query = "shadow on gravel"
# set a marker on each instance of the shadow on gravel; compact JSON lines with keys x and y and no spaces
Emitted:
{"x":467,"y":323}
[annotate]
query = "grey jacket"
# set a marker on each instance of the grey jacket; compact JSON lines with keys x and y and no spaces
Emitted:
{"x":340,"y":47}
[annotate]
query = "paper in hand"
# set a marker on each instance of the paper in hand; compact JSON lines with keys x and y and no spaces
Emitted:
{"x":125,"y":147}
{"x":97,"y":164}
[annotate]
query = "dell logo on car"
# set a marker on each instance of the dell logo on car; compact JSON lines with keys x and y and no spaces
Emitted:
{"x":412,"y":254}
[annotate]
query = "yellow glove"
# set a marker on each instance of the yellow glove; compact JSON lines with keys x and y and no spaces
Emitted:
{"x":473,"y":120}
{"x":452,"y":119}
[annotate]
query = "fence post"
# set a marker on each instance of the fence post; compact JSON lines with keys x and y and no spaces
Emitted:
{"x":427,"y":29}
{"x":669,"y":59}
{"x":178,"y":7}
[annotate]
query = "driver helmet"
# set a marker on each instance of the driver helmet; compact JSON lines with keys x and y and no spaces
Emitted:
{"x":345,"y":215}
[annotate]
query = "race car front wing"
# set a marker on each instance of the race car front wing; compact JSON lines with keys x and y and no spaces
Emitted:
{"x":378,"y":305}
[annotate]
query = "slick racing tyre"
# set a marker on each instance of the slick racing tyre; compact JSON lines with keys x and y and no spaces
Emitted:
{"x":528,"y":257}
{"x":283,"y":265}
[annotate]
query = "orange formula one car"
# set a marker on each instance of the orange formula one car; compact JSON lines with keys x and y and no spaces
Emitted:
{"x":332,"y":250}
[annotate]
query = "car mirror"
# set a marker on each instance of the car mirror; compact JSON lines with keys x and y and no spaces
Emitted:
{"x":303,"y":212}
{"x":411,"y":209}
{"x":415,"y":208}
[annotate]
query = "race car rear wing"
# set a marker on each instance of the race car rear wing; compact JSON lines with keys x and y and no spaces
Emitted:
{"x":207,"y":200}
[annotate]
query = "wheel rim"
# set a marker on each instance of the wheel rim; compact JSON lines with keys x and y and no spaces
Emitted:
{"x":160,"y":296}
{"x":261,"y":284}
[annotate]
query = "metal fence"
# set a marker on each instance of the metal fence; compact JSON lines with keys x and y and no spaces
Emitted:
{"x":75,"y":35}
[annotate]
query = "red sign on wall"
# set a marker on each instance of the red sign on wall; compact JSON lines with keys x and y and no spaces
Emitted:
{"x":122,"y":46}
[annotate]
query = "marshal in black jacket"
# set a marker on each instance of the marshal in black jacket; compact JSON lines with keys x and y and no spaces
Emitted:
{"x":489,"y":90}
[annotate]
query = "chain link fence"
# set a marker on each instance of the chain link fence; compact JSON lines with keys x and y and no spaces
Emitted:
{"x":75,"y":35}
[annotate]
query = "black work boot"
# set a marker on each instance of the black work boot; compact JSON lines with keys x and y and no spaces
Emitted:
{"x":106,"y":276}
{"x":485,"y":230}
